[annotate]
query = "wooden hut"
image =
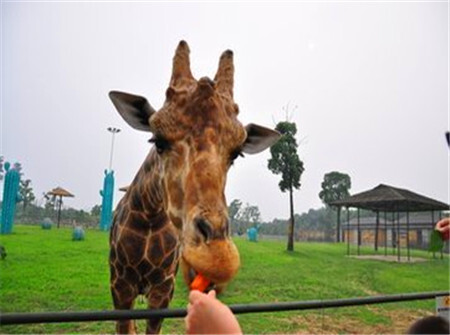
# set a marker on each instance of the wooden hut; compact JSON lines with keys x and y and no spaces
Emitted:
{"x":59,"y":193}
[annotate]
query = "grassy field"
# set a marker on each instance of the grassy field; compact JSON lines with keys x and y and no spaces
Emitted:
{"x":46,"y":271}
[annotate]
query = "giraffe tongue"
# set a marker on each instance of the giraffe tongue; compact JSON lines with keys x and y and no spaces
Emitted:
{"x":200,"y":283}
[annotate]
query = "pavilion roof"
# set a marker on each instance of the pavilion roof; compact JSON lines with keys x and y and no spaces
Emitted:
{"x":59,"y":191}
{"x":391,"y":199}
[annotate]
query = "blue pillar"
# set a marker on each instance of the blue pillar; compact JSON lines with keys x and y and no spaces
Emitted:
{"x":252,"y":234}
{"x":107,"y":202}
{"x":10,"y":198}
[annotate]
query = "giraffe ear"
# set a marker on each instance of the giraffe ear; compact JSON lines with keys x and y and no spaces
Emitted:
{"x":259,"y":138}
{"x":134,"y":109}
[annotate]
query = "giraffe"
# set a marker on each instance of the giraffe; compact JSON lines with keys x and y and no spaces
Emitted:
{"x":175,"y":208}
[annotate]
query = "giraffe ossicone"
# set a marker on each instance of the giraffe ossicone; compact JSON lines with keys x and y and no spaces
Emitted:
{"x":175,"y":209}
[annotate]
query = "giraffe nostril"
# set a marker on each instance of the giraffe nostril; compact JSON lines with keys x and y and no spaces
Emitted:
{"x":204,"y":228}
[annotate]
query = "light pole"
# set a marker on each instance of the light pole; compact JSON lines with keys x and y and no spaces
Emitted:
{"x":114,"y":131}
{"x":108,"y":188}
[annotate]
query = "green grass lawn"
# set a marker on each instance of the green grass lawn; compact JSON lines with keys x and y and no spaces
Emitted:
{"x":46,"y":271}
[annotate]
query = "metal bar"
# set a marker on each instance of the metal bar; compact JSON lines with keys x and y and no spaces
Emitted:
{"x":338,"y":237}
{"x":111,"y":153}
{"x":358,"y":242}
{"x":348,"y":231}
{"x":377,"y":226}
{"x":385,"y":233}
{"x":407,"y":234}
{"x":57,"y":317}
{"x":398,"y":235}
{"x":431,"y":231}
{"x":394,"y":234}
{"x":442,"y":250}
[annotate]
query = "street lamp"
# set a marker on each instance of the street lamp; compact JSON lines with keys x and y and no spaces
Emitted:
{"x":114,"y":131}
{"x":108,"y":188}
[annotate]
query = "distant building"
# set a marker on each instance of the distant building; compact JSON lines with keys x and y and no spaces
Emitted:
{"x":421,"y":224}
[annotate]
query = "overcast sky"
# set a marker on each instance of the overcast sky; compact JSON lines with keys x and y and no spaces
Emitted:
{"x":366,"y":83}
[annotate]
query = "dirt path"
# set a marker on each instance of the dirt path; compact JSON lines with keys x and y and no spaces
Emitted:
{"x":391,"y":258}
{"x":399,"y":321}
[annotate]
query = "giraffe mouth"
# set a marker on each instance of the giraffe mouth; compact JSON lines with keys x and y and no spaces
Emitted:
{"x":192,"y":274}
{"x":189,"y":274}
{"x":218,"y":262}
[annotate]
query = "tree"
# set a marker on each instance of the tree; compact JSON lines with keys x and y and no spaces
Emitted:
{"x":50,"y":203}
{"x":234,"y":210}
{"x":18,"y":167}
{"x":251,"y":216}
{"x":96,"y":210}
{"x":286,"y":162}
{"x":26,"y":192}
{"x":335,"y":186}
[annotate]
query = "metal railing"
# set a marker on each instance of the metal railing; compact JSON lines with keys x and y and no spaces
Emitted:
{"x":88,"y":316}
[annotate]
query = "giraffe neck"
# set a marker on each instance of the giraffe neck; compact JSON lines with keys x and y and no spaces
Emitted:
{"x":146,"y":192}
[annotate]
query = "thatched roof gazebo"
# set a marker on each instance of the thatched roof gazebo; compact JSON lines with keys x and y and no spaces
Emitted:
{"x":60,"y":192}
{"x":385,"y":198}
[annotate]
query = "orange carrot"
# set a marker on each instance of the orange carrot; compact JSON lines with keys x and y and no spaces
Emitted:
{"x":200,"y":283}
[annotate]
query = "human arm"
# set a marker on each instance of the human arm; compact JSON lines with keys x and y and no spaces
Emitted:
{"x":207,"y":315}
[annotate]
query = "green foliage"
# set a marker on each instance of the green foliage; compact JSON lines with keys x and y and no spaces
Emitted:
{"x":26,"y":192}
{"x":436,"y":241}
{"x":18,"y":167}
{"x":243,"y":217}
{"x":96,"y":210}
{"x":251,"y":214}
{"x":233,"y":214}
{"x":45,"y":271}
{"x":285,"y":160}
{"x":335,"y":186}
{"x":35,"y":214}
{"x":50,"y":202}
{"x":321,"y":219}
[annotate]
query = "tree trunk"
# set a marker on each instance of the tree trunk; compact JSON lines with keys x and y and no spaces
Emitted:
{"x":290,"y":245}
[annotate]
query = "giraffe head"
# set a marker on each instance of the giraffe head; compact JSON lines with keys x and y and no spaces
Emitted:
{"x":197,"y":136}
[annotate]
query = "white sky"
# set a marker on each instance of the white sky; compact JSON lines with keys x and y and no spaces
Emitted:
{"x":370,"y":81}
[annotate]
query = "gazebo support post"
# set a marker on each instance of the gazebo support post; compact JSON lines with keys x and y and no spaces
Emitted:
{"x":407,"y":234}
{"x":442,"y":250}
{"x":385,"y":233}
{"x":59,"y":210}
{"x":358,"y":242}
{"x":398,"y":235}
{"x":432,"y":228}
{"x":338,"y":230}
{"x":348,"y":231}
{"x":377,"y":226}
{"x":394,"y":234}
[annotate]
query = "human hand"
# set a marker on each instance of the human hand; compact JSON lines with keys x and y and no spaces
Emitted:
{"x":443,"y":226}
{"x":207,"y":315}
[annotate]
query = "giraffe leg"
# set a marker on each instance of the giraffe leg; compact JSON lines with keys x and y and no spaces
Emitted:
{"x":124,"y":300}
{"x":159,"y":296}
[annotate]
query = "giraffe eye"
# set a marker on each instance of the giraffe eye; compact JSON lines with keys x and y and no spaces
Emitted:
{"x":160,"y":143}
